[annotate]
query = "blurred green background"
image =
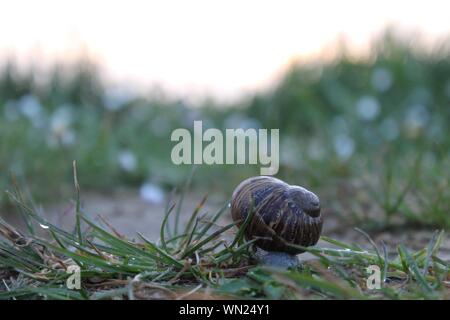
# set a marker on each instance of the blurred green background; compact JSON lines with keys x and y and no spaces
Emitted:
{"x":371,"y":136}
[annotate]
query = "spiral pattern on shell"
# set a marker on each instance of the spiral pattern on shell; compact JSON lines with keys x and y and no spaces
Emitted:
{"x":282,"y":214}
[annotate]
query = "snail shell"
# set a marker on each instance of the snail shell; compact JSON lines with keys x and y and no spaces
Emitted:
{"x":282,"y":214}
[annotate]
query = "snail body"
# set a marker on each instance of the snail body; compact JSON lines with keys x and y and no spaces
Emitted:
{"x":282,"y":215}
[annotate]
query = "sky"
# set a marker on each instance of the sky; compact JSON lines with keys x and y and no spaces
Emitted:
{"x":205,"y":47}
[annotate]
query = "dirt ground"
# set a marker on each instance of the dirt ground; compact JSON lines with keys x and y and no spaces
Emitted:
{"x":129,"y":214}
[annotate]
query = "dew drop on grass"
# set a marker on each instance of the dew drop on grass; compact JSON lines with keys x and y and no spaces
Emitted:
{"x":43,"y":226}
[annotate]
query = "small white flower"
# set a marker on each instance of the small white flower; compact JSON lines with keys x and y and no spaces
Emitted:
{"x":344,"y":146}
{"x":30,"y":107}
{"x":151,"y":193}
{"x":416,"y":119}
{"x":68,"y":138}
{"x":64,"y":138}
{"x":127,"y":160}
{"x":61,"y":120}
{"x":368,"y":108}
{"x":381,"y":79}
{"x":61,"y":133}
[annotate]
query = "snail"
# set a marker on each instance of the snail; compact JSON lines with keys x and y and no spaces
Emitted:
{"x":284,"y":218}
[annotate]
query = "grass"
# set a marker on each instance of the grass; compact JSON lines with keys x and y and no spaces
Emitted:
{"x":203,"y":260}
